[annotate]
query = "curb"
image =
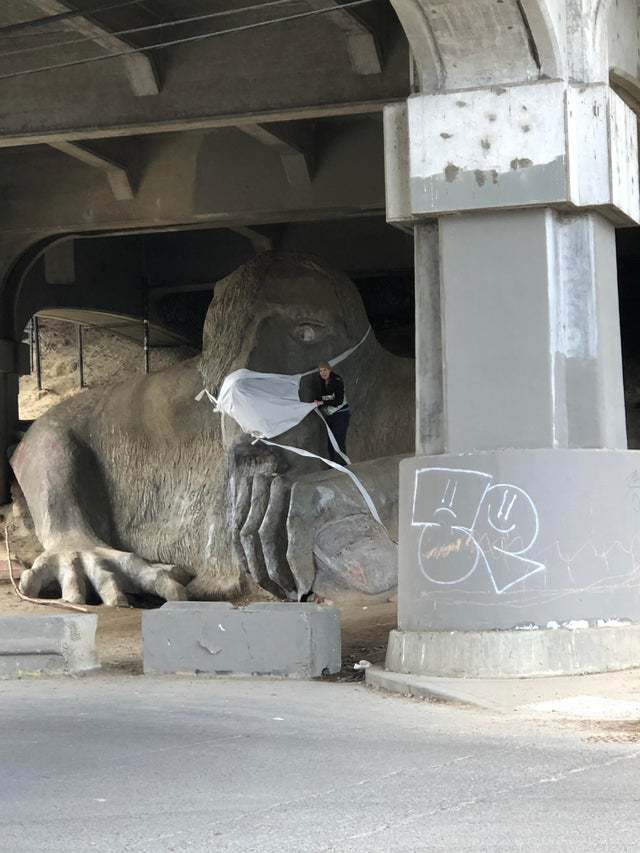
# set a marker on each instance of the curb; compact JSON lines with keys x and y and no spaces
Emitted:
{"x":425,"y":687}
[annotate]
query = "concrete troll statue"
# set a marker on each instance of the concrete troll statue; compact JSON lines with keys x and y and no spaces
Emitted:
{"x":137,"y":489}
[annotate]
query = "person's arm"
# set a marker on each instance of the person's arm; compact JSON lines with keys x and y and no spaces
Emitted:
{"x":336,"y":398}
{"x":317,"y":389}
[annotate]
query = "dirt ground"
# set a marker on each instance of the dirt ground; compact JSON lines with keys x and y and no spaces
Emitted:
{"x":365,"y":630}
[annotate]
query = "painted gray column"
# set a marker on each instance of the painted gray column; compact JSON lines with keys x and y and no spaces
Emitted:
{"x":520,"y":524}
{"x":531,"y":341}
{"x":430,"y":420}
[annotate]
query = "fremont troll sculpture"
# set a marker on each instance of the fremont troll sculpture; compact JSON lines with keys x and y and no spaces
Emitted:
{"x":136,"y":488}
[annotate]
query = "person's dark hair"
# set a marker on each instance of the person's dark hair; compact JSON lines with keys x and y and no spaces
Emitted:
{"x":324,"y":365}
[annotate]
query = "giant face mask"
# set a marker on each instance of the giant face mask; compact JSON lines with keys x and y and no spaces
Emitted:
{"x":279,"y":315}
{"x":266,"y":405}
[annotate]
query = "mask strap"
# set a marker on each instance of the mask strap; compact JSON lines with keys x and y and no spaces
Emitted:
{"x":341,"y":357}
{"x":365,"y":494}
{"x":359,"y":486}
{"x":202,"y":393}
{"x":332,"y":439}
{"x":300,"y":452}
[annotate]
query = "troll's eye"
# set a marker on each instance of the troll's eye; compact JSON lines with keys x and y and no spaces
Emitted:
{"x":308,"y":333}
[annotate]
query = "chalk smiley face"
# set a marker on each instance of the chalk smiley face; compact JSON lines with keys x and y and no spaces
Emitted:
{"x":511,"y":514}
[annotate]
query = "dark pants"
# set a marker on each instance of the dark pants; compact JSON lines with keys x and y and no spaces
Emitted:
{"x":338,"y":424}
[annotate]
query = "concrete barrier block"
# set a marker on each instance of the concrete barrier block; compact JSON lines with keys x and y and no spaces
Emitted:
{"x":296,"y":640}
{"x":53,"y":645}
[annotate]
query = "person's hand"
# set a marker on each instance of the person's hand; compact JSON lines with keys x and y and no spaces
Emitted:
{"x":318,"y":403}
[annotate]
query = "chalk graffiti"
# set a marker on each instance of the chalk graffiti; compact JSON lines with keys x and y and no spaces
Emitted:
{"x":633,"y":487}
{"x":468,"y":523}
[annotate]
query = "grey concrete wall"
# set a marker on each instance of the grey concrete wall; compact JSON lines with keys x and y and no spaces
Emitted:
{"x":519,"y":539}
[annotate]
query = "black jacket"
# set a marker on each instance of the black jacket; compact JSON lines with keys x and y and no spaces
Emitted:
{"x":331,"y":393}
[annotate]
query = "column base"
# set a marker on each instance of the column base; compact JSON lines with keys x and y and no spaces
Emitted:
{"x":512,"y":654}
{"x":518,"y":563}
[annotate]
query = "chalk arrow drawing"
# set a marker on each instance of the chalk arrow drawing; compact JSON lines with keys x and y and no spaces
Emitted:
{"x":469,"y":523}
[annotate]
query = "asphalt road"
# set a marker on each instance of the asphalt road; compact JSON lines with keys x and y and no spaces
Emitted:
{"x":144,"y":764}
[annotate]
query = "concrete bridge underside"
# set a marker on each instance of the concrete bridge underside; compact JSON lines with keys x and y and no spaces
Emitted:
{"x":510,"y":154}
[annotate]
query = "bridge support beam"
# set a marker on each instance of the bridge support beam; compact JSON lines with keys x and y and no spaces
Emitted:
{"x":520,"y":509}
{"x":14,"y":356}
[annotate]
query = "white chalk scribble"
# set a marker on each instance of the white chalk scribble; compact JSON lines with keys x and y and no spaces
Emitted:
{"x":469,"y":522}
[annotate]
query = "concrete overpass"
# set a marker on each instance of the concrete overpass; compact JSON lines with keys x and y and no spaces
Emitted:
{"x":510,"y":152}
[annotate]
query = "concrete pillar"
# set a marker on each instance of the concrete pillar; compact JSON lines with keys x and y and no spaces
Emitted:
{"x":520,"y":513}
{"x":430,"y":420}
{"x":530,"y":331}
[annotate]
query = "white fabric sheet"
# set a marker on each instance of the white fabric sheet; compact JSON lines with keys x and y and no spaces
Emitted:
{"x":356,"y":482}
{"x":263,"y":404}
{"x":266,"y":405}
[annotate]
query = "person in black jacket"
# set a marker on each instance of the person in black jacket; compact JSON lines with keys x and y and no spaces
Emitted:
{"x":332,"y":403}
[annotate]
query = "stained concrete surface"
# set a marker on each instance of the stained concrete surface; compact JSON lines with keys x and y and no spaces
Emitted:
{"x":532,"y":697}
{"x":300,"y":640}
{"x":113,"y":763}
{"x":61,"y":643}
